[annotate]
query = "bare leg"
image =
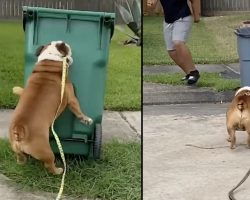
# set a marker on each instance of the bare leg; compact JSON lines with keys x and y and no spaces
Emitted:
{"x":182,"y":57}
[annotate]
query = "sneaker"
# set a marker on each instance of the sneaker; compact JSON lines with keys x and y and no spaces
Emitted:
{"x":193,"y":77}
{"x":185,"y":78}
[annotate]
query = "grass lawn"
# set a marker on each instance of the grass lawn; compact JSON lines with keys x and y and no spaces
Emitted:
{"x":212,"y":80}
{"x":116,"y":176}
{"x":211,"y":41}
{"x":124,"y":75}
{"x":123,"y":90}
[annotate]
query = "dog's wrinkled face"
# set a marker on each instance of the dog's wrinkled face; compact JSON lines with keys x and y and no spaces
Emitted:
{"x":56,"y":51}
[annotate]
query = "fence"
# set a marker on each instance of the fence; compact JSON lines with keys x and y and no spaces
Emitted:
{"x":211,"y":7}
{"x":12,"y":9}
{"x":217,"y":7}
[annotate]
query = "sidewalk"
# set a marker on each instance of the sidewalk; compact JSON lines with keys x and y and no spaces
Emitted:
{"x":120,"y":125}
{"x":123,"y":126}
{"x":155,"y":94}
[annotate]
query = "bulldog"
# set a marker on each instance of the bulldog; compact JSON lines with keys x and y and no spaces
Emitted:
{"x":238,"y":115}
{"x":38,"y":104}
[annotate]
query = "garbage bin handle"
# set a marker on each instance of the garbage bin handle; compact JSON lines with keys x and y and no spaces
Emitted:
{"x":112,"y":30}
{"x":26,"y":14}
{"x":110,"y":22}
{"x":24,"y":20}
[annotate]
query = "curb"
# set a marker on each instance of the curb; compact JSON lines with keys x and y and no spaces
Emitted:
{"x":158,"y":94}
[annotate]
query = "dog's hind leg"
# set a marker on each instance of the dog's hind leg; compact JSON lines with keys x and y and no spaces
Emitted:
{"x":16,"y":135}
{"x":44,"y":153}
{"x":231,"y":137}
{"x":49,"y":163}
{"x":21,"y":158}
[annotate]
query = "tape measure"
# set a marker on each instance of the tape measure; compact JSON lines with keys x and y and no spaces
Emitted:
{"x":64,"y":73}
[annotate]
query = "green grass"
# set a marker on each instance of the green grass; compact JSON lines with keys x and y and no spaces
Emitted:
{"x":210,"y":80}
{"x":11,"y":61}
{"x":124,"y":71}
{"x":124,"y":75}
{"x":116,"y":176}
{"x":211,"y":41}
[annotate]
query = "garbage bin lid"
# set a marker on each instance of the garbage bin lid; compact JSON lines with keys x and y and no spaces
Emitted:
{"x":243,"y":32}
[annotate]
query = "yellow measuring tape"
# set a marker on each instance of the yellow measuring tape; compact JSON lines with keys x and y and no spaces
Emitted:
{"x":64,"y":73}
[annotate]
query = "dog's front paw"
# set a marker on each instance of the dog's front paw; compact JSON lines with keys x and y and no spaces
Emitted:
{"x":86,"y":120}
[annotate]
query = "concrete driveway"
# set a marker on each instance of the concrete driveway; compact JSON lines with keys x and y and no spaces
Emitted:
{"x":172,"y":170}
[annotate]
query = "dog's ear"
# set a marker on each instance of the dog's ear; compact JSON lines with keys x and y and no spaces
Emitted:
{"x":39,"y":50}
{"x":62,"y":48}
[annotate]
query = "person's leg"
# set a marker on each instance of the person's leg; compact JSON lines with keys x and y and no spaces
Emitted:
{"x":175,"y":35}
{"x":168,"y":35}
{"x":182,"y":57}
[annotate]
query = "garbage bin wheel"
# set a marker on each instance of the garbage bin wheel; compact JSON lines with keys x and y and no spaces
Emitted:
{"x":97,"y":142}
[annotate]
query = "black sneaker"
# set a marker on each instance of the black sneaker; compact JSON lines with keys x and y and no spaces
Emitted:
{"x":185,"y":78}
{"x":193,"y":77}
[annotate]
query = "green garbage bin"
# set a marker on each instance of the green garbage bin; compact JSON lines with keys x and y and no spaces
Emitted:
{"x":89,"y":35}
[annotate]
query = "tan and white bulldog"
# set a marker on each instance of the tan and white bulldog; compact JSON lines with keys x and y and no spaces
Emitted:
{"x":238,"y":115}
{"x":38,"y":103}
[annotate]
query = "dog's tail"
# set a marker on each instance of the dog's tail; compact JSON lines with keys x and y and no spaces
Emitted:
{"x":17,"y":90}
